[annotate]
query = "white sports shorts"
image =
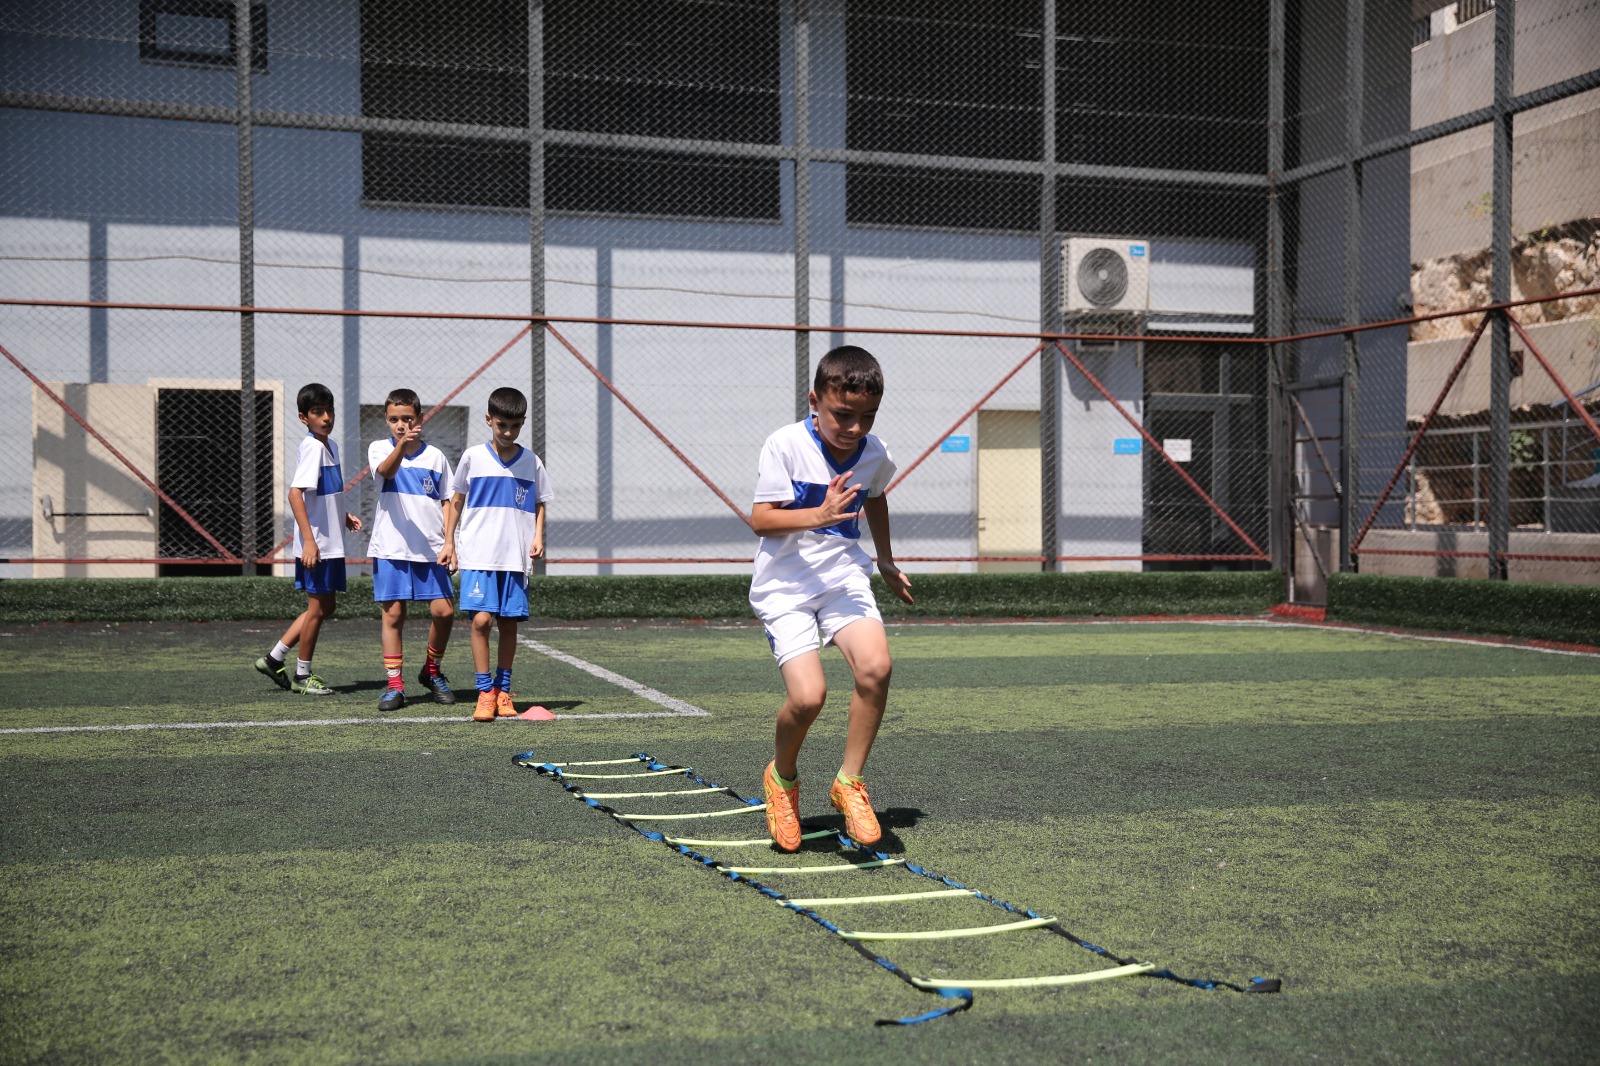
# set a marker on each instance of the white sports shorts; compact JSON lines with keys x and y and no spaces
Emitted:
{"x":796,"y":626}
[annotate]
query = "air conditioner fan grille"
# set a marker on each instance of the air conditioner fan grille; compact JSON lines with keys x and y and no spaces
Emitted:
{"x":1102,"y":277}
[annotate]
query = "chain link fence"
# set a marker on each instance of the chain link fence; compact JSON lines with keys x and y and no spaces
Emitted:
{"x":1103,"y":251}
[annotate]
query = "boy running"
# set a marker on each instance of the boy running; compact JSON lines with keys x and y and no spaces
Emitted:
{"x":811,"y":575}
{"x":414,"y":481}
{"x":493,"y":529}
{"x":316,"y":498}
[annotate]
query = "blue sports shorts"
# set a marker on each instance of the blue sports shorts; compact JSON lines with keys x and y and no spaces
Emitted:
{"x":325,"y":577}
{"x":407,"y":579}
{"x":503,"y":593}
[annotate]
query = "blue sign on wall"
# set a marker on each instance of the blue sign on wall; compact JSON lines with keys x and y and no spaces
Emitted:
{"x":1125,"y":446}
{"x":956,"y":444}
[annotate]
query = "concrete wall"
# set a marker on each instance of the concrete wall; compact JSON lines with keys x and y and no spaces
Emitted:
{"x":1310,"y":586}
{"x":1571,"y":347}
{"x":1557,"y":147}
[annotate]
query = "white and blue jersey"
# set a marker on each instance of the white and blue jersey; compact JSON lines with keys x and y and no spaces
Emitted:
{"x":317,"y":475}
{"x":495,"y":531}
{"x":795,"y":469}
{"x":409,"y":520}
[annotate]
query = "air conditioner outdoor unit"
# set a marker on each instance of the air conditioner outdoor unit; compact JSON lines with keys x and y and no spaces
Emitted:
{"x":1105,"y":275}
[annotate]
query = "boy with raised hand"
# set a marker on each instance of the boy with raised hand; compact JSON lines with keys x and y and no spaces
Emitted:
{"x":414,"y":484}
{"x":316,"y":499}
{"x":812,"y":582}
{"x":493,"y":530}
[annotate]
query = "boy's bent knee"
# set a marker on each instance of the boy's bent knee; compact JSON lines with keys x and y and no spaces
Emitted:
{"x":874,"y":673}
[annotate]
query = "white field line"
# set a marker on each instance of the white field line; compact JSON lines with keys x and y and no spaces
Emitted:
{"x":675,"y":708}
{"x":228,"y":725}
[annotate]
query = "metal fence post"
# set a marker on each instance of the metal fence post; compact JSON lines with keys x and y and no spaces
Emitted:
{"x":1499,"y":292}
{"x":1049,"y":301}
{"x":1279,"y":435}
{"x":537,"y":421}
{"x":802,"y":206}
{"x":1350,"y":407}
{"x":244,"y":55}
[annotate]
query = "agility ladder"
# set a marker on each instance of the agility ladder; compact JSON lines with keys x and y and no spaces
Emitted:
{"x":566,"y":773}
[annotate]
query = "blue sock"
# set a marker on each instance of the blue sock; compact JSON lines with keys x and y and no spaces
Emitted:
{"x":502,"y":679}
{"x":485,"y":682}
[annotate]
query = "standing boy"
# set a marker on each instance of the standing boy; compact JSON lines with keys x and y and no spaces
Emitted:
{"x":316,"y":498}
{"x":811,"y":575}
{"x":493,"y":529}
{"x":414,"y":481}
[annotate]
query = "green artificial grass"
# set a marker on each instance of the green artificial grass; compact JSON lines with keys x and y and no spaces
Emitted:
{"x":1403,"y":831}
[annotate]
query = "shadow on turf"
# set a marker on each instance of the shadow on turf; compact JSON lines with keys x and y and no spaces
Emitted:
{"x":462,"y":696}
{"x":889,"y":819}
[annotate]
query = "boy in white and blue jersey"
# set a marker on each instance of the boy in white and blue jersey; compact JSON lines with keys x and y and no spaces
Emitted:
{"x":493,"y":531}
{"x":812,"y":583}
{"x":415,"y":483}
{"x":316,"y":499}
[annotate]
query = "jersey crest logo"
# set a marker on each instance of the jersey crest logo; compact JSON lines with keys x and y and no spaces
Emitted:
{"x":427,"y":484}
{"x":522,"y":495}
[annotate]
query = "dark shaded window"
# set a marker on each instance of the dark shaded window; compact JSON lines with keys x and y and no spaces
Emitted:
{"x":688,"y":69}
{"x":953,"y":199}
{"x":1168,"y":87}
{"x":945,"y":77}
{"x":199,"y":33}
{"x":1158,"y":209}
{"x":700,"y":69}
{"x":1214,"y":397}
{"x":198,"y":457}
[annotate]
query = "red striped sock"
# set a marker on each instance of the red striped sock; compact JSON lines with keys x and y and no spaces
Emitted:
{"x":391,"y":667}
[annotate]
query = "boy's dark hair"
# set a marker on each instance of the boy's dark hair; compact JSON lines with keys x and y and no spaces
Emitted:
{"x":508,"y":403}
{"x":315,"y":394}
{"x":848,"y":369}
{"x":403,"y":398}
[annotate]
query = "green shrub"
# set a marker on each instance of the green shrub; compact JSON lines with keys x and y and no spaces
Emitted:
{"x":197,"y":599}
{"x":1568,"y":613}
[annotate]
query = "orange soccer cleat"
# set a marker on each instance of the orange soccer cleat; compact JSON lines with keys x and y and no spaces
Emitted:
{"x":851,"y":800}
{"x":484,"y":712}
{"x":783,"y":818}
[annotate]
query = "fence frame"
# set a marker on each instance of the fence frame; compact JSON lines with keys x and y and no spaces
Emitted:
{"x":1273,"y":179}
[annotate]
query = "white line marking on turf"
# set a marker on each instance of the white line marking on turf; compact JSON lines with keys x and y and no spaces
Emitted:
{"x":227,"y":725}
{"x":677,"y":707}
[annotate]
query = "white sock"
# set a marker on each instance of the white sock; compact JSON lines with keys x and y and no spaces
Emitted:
{"x":280,"y":651}
{"x":302,"y":667}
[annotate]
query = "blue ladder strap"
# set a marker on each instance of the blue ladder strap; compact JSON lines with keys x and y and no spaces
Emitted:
{"x":964,"y":995}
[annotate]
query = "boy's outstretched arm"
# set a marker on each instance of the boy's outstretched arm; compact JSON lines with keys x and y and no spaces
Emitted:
{"x":876,"y":508}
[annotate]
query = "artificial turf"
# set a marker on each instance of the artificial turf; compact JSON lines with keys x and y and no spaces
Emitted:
{"x":1405,"y":832}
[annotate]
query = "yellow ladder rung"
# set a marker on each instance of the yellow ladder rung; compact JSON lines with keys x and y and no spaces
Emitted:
{"x":1039,"y":982}
{"x":752,"y":842}
{"x":951,"y":934}
{"x":693,"y":814}
{"x":637,"y":795}
{"x":596,"y":762}
{"x":846,"y":901}
{"x":597,"y":777}
{"x":834,"y":869}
